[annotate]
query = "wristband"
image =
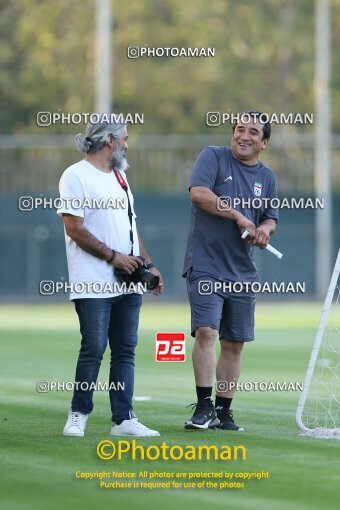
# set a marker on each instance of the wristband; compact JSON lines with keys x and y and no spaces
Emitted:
{"x":150,"y":265}
{"x":111,"y":259}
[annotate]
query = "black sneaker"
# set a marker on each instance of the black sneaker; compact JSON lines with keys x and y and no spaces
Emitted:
{"x":226,"y":419}
{"x":204,"y":416}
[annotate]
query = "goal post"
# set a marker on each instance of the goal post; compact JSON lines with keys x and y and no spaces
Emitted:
{"x":318,"y":411}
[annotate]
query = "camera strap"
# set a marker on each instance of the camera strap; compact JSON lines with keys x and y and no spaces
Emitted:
{"x":124,"y":186}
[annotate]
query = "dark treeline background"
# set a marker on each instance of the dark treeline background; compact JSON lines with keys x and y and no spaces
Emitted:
{"x":264,"y":59}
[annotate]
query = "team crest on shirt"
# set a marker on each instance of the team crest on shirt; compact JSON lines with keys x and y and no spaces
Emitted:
{"x":257,"y":189}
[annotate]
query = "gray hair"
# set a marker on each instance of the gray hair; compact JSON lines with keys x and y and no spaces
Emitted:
{"x":97,"y":133}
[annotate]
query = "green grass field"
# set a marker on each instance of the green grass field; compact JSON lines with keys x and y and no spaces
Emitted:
{"x":39,"y":464}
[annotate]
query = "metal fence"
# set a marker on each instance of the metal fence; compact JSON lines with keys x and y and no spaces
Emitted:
{"x":158,"y":163}
{"x":33,"y":246}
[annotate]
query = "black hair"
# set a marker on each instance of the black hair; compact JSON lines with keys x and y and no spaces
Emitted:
{"x":262,"y":117}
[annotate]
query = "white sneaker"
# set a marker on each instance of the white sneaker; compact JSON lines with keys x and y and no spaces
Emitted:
{"x":132,"y":427}
{"x":75,"y":425}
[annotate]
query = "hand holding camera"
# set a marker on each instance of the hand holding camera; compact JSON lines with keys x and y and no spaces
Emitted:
{"x":126,"y":263}
{"x":131,"y":269}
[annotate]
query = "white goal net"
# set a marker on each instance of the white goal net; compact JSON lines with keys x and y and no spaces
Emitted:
{"x":318,"y":412}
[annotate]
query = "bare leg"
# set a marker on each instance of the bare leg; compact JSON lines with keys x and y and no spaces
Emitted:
{"x":229,"y":365}
{"x":204,"y":356}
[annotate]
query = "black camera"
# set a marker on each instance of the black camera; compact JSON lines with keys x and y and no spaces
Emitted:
{"x":140,"y":275}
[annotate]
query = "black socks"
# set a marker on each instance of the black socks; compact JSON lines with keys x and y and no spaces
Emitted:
{"x":203,"y":392}
{"x":223,"y":402}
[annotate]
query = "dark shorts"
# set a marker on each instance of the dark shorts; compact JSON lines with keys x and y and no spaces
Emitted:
{"x":232,"y":314}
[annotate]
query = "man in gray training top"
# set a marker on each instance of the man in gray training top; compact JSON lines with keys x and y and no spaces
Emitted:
{"x":216,"y":254}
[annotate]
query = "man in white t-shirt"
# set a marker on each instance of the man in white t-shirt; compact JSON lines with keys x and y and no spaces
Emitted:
{"x":101,"y":236}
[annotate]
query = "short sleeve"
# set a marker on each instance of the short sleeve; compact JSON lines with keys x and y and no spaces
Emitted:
{"x":71,"y":195}
{"x":271,"y":213}
{"x":205,"y":169}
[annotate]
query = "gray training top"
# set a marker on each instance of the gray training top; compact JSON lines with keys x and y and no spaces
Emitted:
{"x":214,"y":244}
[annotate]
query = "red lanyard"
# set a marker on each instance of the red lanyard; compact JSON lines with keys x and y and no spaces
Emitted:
{"x":123,"y":184}
{"x":121,"y":180}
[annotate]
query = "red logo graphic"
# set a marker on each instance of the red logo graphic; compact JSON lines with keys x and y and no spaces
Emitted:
{"x":170,"y":347}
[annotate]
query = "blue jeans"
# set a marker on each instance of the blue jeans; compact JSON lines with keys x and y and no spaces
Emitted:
{"x":114,"y":319}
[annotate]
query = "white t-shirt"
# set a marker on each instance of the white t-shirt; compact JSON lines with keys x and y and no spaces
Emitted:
{"x":84,"y":182}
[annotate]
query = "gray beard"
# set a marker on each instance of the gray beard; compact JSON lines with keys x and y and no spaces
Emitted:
{"x":118,"y":160}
